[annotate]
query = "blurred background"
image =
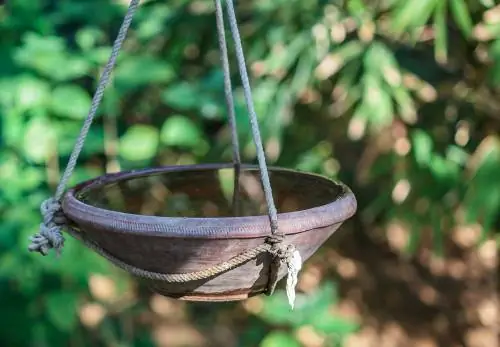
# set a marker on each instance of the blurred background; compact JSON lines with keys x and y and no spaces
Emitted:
{"x":396,"y":98}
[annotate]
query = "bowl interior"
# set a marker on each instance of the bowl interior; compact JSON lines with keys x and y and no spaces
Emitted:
{"x":208,"y":192}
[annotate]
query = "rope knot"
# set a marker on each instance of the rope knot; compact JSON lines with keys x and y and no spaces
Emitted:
{"x":50,"y":235}
{"x":285,"y":256}
{"x":275,"y":239}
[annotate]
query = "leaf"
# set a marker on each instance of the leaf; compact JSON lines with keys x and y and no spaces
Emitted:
{"x":87,"y":37}
{"x":48,"y":56}
{"x":445,"y":171}
{"x":283,"y":59}
{"x":277,"y":310}
{"x":303,"y":73}
{"x":39,"y":140}
{"x":140,"y":142}
{"x":378,"y":59}
{"x":61,"y":309}
{"x":494,"y":71}
{"x":422,"y":147}
{"x":378,"y":101}
{"x":405,"y":104}
{"x":482,"y":199}
{"x":462,"y":16}
{"x":329,"y":324}
{"x":334,"y":62}
{"x":441,"y":32}
{"x":31,"y":92}
{"x":182,"y":96}
{"x":70,"y":101}
{"x":356,"y":8}
{"x":141,"y":71}
{"x":410,"y":11}
{"x":181,"y":131}
{"x":279,"y":339}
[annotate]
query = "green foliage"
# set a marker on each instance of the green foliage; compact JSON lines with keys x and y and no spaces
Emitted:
{"x":395,"y":97}
{"x":140,"y":142}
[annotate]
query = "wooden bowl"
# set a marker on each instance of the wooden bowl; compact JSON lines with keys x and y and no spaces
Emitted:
{"x":187,"y":218}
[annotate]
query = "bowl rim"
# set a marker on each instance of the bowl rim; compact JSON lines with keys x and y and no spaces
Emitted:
{"x":82,"y":214}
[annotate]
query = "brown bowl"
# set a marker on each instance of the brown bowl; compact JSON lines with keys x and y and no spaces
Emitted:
{"x":187,"y":218}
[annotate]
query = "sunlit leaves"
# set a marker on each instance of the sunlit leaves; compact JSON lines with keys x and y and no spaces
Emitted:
{"x":279,"y":339}
{"x":70,"y":101}
{"x":483,"y":197}
{"x":140,"y":142}
{"x":180,"y":131}
{"x":462,"y":16}
{"x":313,"y":310}
{"x":422,"y":147}
{"x":140,"y":71}
{"x":50,"y":57}
{"x":441,"y":32}
{"x":334,"y":61}
{"x":409,"y":16}
{"x":39,"y":140}
{"x":182,"y":96}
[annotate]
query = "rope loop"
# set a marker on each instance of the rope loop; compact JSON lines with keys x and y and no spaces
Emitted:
{"x":50,"y":235}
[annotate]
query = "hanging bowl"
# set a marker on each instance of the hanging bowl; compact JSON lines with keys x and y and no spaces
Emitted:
{"x":187,"y":218}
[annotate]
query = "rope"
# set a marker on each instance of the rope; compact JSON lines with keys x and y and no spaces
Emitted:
{"x":291,"y":256}
{"x":233,"y":24}
{"x":50,"y":234}
{"x":285,"y":255}
{"x":227,"y":83}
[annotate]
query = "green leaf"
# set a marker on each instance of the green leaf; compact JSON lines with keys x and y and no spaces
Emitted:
{"x":327,"y":323}
{"x":441,"y":33}
{"x":405,"y":104}
{"x":87,"y":37}
{"x":62,"y":309}
{"x":422,"y":147}
{"x":31,"y":92}
{"x":445,"y":171}
{"x":39,"y":140}
{"x":48,"y":55}
{"x":141,"y":71}
{"x":357,"y":8}
{"x":462,"y":16}
{"x":279,"y":339}
{"x":182,"y":96}
{"x":140,"y":142}
{"x":277,"y":310}
{"x":349,"y":51}
{"x":409,"y":12}
{"x":70,"y":101}
{"x":378,"y":101}
{"x":494,"y":71}
{"x":487,"y":3}
{"x":482,"y":199}
{"x":181,"y":131}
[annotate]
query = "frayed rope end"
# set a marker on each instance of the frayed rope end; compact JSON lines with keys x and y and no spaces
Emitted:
{"x":294,"y":264}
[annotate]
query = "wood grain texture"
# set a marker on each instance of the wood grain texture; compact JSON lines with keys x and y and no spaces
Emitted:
{"x":185,"y":244}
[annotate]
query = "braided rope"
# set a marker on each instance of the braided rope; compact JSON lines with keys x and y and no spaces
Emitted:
{"x":284,"y":255}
